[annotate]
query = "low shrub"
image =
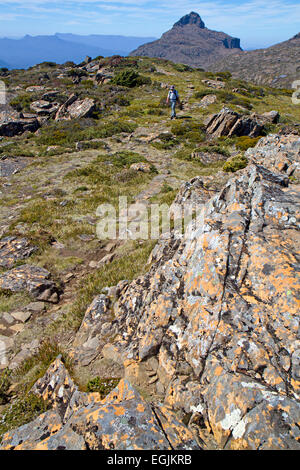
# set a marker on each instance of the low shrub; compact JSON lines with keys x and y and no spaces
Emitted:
{"x":225,"y":75}
{"x":15,"y":150}
{"x":130,"y":79}
{"x":167,"y":141}
{"x":77,"y":73}
{"x":245,"y":142}
{"x":22,"y":102}
{"x":68,"y":132}
{"x":47,"y":64}
{"x":213,"y":148}
{"x":121,"y":100}
{"x":102,"y":386}
{"x":69,"y":63}
{"x":200,"y":94}
{"x":5,"y":383}
{"x":227,"y":97}
{"x":23,"y":411}
{"x":182,"y":128}
{"x":87,"y":84}
{"x":235,"y":163}
{"x":124,"y":159}
{"x":182,"y":68}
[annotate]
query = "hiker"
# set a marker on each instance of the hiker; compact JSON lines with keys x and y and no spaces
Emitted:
{"x":173,"y":97}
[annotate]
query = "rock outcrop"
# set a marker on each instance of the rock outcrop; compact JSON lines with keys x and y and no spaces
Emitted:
{"x":210,"y":331}
{"x":34,"y":280}
{"x":81,"y":421}
{"x":74,"y":108}
{"x":230,"y":123}
{"x":13,"y":249}
{"x":190,"y":42}
{"x":18,"y":127}
{"x":44,"y":108}
{"x":212,"y":328}
{"x":281,"y":153}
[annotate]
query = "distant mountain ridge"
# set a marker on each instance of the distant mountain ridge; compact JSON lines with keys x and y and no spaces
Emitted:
{"x":121,"y":45}
{"x":59,"y":48}
{"x":191,"y":43}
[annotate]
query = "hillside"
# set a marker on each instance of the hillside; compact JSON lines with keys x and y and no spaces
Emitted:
{"x":190,"y":42}
{"x":275,"y":66}
{"x":169,"y":341}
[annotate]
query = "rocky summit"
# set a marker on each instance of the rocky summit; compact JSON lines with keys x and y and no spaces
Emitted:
{"x":190,"y":42}
{"x":166,"y":340}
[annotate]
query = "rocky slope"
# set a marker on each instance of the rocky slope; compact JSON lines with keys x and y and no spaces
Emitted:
{"x":180,"y":343}
{"x":276,"y":66}
{"x":211,"y":330}
{"x":190,"y":42}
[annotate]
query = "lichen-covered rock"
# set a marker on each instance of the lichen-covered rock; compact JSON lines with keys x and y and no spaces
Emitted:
{"x":208,"y":100}
{"x":79,"y":421}
{"x":271,"y":116}
{"x":27,"y":437}
{"x":279,"y":153}
{"x":11,"y":165}
{"x":13,"y":249}
{"x":141,"y":166}
{"x":125,"y":421}
{"x":56,"y":386}
{"x":91,"y":336}
{"x":33,"y":279}
{"x":223,"y":310}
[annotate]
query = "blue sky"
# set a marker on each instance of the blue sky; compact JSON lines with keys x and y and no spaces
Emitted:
{"x":259,"y":23}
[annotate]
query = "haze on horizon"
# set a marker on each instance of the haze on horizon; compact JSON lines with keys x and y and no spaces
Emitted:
{"x":257,"y":23}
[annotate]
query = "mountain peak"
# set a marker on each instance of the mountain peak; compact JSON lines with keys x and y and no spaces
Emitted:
{"x":191,"y":19}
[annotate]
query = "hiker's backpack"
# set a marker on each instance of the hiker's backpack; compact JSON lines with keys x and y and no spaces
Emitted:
{"x":173,"y":95}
